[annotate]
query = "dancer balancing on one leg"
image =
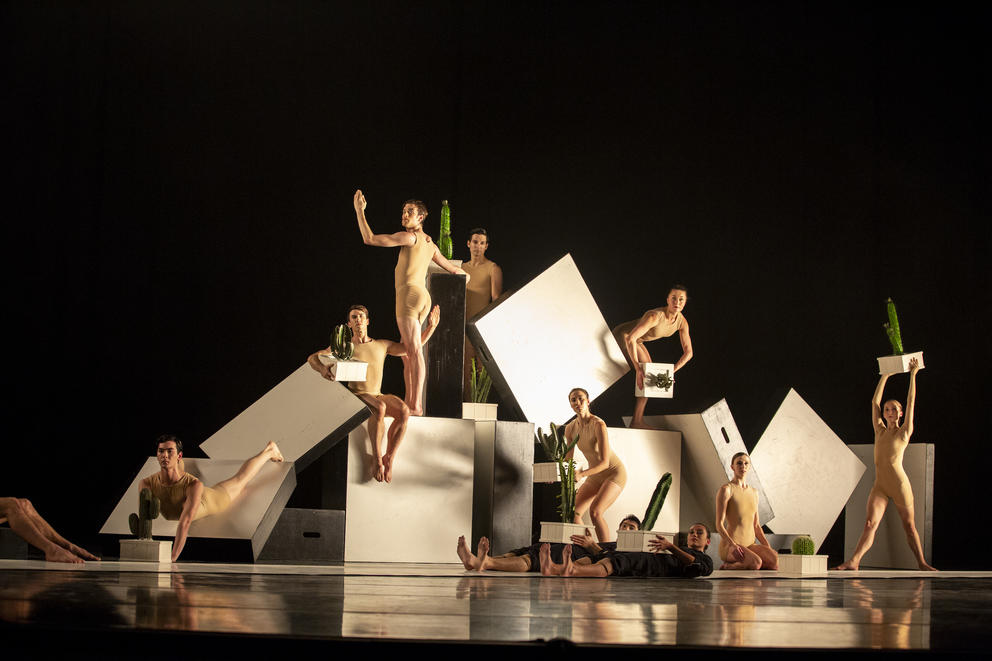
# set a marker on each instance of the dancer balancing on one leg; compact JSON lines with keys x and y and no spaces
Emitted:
{"x":743,"y":544}
{"x":654,"y":324}
{"x":28,"y":524}
{"x":412,"y":300}
{"x":184,"y":497}
{"x":606,"y":475}
{"x":891,"y":439}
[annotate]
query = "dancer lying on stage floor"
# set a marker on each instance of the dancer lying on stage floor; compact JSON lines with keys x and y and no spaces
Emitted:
{"x":654,"y":324}
{"x":412,"y":300}
{"x":484,"y":287}
{"x":606,"y":475}
{"x":374,"y":353}
{"x":184,"y":497}
{"x":686,"y":561}
{"x":891,"y":439}
{"x":737,"y":522}
{"x":29,"y":526}
{"x":525,"y":559}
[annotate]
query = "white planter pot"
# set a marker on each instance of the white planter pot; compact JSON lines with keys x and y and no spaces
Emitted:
{"x":637,"y":540}
{"x":556,"y":532}
{"x":345,"y":370}
{"x":546,"y":471}
{"x":654,"y":391}
{"x":146,"y":550}
{"x":802,"y":564}
{"x":898,"y":364}
{"x":478,"y":411}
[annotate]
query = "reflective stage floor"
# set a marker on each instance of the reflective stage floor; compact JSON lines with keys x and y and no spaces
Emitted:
{"x":126,"y":607}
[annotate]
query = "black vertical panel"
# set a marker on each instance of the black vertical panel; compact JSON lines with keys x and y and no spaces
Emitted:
{"x":445,"y":351}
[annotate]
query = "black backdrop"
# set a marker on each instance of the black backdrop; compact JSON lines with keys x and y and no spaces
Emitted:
{"x":179,"y":232}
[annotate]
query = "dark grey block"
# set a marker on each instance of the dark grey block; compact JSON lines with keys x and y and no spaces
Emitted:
{"x":502,"y":498}
{"x":445,"y":352}
{"x":12,"y":546}
{"x":307,"y":536}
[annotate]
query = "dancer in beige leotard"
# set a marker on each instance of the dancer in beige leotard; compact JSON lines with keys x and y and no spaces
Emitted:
{"x":743,"y":544}
{"x":412,"y":301}
{"x":654,"y":324}
{"x":374,"y":353}
{"x":484,"y":287}
{"x":891,"y":440}
{"x":606,"y":475}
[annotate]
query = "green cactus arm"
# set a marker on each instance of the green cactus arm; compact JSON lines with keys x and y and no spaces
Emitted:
{"x":892,"y":327}
{"x":133,"y":523}
{"x":657,"y":502}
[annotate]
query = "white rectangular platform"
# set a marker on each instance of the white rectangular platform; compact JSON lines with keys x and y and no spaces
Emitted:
{"x":802,"y":564}
{"x":639,"y":540}
{"x":145,"y":550}
{"x":898,"y":364}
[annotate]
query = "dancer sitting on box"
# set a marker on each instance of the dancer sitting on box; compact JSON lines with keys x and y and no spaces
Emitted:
{"x":484,"y":287}
{"x":184,"y":497}
{"x":743,"y":544}
{"x":29,"y":526}
{"x":584,"y":550}
{"x":374,"y":353}
{"x":687,"y":561}
{"x":891,"y":439}
{"x":606,"y":475}
{"x":654,"y":324}
{"x":412,"y":300}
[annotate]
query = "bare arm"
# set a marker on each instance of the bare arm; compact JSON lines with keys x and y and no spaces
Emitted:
{"x":190,"y":507}
{"x":907,"y":425}
{"x":603,"y":445}
{"x":587,"y":542}
{"x":380,"y":240}
{"x":321,"y":368}
{"x":397,"y":348}
{"x":686,"y":346}
{"x":759,"y":534}
{"x":660,"y":543}
{"x":569,"y":430}
{"x":497,"y":282}
{"x":441,"y":261}
{"x":876,"y":404}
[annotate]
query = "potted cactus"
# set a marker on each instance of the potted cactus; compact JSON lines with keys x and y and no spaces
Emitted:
{"x":144,"y":548}
{"x":343,"y":368}
{"x":637,"y":540}
{"x":899,"y":360}
{"x":479,"y":408}
{"x":803,"y":559}
{"x":659,"y":381}
{"x":557,"y":447}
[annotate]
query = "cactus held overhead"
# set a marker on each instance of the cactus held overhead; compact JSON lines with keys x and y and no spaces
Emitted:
{"x":892,"y":328}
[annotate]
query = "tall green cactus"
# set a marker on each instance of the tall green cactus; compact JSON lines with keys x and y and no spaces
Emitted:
{"x":481,"y":383}
{"x":148,"y":510}
{"x":341,"y":344}
{"x":803,"y":545}
{"x":444,"y":240}
{"x":657,"y":502}
{"x":892,"y":328}
{"x":556,"y":447}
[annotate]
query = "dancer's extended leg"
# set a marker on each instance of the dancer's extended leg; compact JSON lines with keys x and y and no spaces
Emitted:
{"x":640,"y":403}
{"x":908,"y":518}
{"x":606,"y":496}
{"x":874,"y":512}
{"x":397,"y":409}
{"x":236,"y":484}
{"x":413,"y":363}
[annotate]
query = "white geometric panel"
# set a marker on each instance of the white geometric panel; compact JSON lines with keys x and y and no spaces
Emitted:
{"x":808,"y":472}
{"x":421,"y":513}
{"x":545,"y":339}
{"x":298,"y":414}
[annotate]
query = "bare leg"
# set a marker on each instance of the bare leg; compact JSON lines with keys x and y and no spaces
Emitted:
{"x":640,"y":403}
{"x":912,"y":536}
{"x":397,"y":409}
{"x":583,"y":499}
{"x":549,"y":568}
{"x":28,"y":524}
{"x":465,"y":554}
{"x":607,"y":495}
{"x":235,"y":485}
{"x":601,"y":569}
{"x":375,"y":426}
{"x":467,"y":371}
{"x":769,"y":557}
{"x":413,"y":363}
{"x":751,"y":561}
{"x":875,"y":510}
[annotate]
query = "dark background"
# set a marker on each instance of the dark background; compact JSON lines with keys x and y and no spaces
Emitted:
{"x":179,"y":234}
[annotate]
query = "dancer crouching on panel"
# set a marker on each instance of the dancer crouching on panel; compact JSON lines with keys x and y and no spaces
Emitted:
{"x":891,"y":440}
{"x":412,"y":300}
{"x":606,"y":475}
{"x":374,"y":353}
{"x":654,"y":324}
{"x":737,"y":522}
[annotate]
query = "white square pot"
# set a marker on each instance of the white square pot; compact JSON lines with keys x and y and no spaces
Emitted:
{"x":478,"y":411}
{"x":546,"y":471}
{"x":898,"y":364}
{"x":654,"y":391}
{"x":637,"y":540}
{"x":146,"y":550}
{"x":345,"y":370}
{"x":802,"y":564}
{"x":561,"y":533}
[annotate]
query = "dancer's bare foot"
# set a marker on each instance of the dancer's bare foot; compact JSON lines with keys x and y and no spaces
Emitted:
{"x":482,"y":553}
{"x":81,"y":552}
{"x":274,"y":449}
{"x":923,"y":565}
{"x":417,"y":411}
{"x":387,"y":463}
{"x":566,"y":555}
{"x":378,"y":471}
{"x":850,"y":565}
{"x":464,"y":554}
{"x":640,"y":424}
{"x":545,"y":556}
{"x":59,"y":554}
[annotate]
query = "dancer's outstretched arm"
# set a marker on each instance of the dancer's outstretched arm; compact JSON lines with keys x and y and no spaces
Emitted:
{"x":877,"y":420}
{"x":686,"y":346}
{"x":190,"y":507}
{"x":443,"y":262}
{"x":907,"y":425}
{"x":380,"y":240}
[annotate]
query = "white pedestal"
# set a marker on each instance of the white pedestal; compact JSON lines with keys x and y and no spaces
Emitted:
{"x":345,"y":370}
{"x":802,"y":564}
{"x":637,"y":540}
{"x":146,"y":550}
{"x":546,"y":471}
{"x":478,"y":411}
{"x":655,"y":391}
{"x":898,"y":364}
{"x":561,"y":533}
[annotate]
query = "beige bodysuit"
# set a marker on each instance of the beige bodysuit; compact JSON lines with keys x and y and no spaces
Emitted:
{"x":412,"y":299}
{"x":663,"y":328}
{"x":616,"y":472}
{"x":374,"y":353}
{"x":173,"y":496}
{"x":890,"y":477}
{"x":479,"y":290}
{"x":739,"y":518}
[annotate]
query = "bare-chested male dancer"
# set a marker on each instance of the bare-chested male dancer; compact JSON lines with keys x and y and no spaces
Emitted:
{"x":485,"y":286}
{"x":374,"y":353}
{"x":412,"y":300}
{"x":28,"y":524}
{"x":891,"y":481}
{"x":184,"y":497}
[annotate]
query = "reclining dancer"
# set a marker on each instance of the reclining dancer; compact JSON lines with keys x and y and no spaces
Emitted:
{"x":374,"y":353}
{"x":743,"y":544}
{"x":413,"y":302}
{"x":184,"y":497}
{"x":28,"y":524}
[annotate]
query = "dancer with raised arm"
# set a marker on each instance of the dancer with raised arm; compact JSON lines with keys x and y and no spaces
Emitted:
{"x":484,"y":287}
{"x":606,"y":475}
{"x":29,"y":526}
{"x":891,"y":439}
{"x":743,"y":544}
{"x":417,"y":250}
{"x":654,"y":324}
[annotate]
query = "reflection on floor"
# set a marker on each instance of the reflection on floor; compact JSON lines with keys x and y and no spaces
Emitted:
{"x":443,"y":603}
